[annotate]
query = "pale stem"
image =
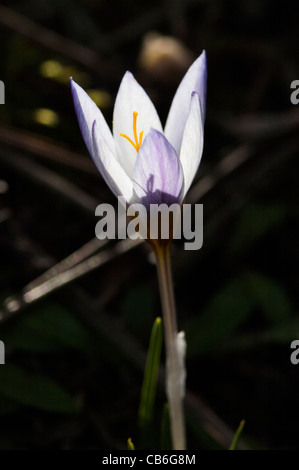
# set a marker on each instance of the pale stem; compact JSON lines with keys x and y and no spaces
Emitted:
{"x":173,"y":368}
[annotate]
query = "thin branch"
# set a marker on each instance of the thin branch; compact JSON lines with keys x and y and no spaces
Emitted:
{"x":75,"y":258}
{"x":227,"y":165}
{"x":15,"y":304}
{"x":52,"y":180}
{"x":41,"y":148}
{"x":28,"y":28}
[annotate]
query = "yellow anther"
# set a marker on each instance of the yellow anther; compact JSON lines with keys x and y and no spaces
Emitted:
{"x":137,"y":143}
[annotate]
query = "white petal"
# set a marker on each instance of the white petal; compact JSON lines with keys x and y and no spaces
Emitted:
{"x":132,"y":97}
{"x":87,"y":112}
{"x":110,"y":169}
{"x":194,"y":80}
{"x":192,"y":144}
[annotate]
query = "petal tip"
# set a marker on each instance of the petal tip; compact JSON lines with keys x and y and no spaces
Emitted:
{"x":128,"y":76}
{"x":72,"y":82}
{"x":203,"y":56}
{"x":74,"y":87}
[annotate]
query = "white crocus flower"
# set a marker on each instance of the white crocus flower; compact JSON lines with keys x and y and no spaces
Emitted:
{"x":142,"y":164}
{"x":139,"y":161}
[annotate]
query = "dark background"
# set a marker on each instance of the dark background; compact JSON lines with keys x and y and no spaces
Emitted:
{"x":75,"y":347}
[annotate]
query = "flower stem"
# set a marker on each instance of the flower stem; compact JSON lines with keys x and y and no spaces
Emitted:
{"x":174,"y":378}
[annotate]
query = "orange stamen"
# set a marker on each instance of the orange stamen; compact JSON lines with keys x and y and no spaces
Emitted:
{"x":137,"y":143}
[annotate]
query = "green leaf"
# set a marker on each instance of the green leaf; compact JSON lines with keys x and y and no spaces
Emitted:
{"x":254,"y":222}
{"x":130,"y":444}
{"x":237,"y":435}
{"x":166,"y":443}
{"x":228,"y":309}
{"x":47,"y":328}
{"x":270,"y":296}
{"x":148,"y":391}
{"x":33,"y":390}
{"x":231,"y":307}
{"x":7,"y":444}
{"x":279,"y":334}
{"x":7,"y":406}
{"x":138,"y":299}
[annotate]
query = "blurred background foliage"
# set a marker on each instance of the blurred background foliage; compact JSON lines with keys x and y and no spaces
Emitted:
{"x":76,"y":337}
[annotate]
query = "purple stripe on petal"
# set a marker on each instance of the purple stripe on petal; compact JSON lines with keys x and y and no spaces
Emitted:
{"x":87,"y":112}
{"x":201,"y":85}
{"x":158,"y":174}
{"x":110,"y":169}
{"x":192,"y":143}
{"x":194,"y":80}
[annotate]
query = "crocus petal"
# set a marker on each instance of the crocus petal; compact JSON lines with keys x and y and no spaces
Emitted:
{"x":87,"y":112}
{"x":131,"y":98}
{"x":158,"y":175}
{"x":110,"y":169}
{"x":194,"y":80}
{"x":192,"y":144}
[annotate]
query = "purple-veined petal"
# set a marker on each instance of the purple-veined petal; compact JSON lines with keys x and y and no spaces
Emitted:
{"x":192,"y":143}
{"x":110,"y":169}
{"x":158,"y":175}
{"x":132,"y":98}
{"x":87,"y":112}
{"x":194,"y":80}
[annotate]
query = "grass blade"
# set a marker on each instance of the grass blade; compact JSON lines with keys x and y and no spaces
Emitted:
{"x":130,"y":444}
{"x":148,"y":391}
{"x":237,"y":436}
